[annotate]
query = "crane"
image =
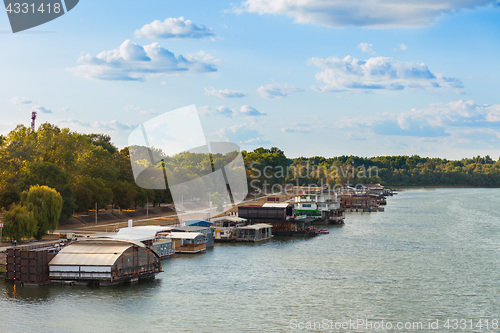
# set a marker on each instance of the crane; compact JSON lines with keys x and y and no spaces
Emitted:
{"x":33,"y":117}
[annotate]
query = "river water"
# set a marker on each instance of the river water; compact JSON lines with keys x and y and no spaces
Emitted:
{"x":430,"y":262}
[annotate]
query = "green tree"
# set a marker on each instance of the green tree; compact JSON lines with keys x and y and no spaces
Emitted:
{"x":124,"y":194}
{"x":90,"y":190}
{"x":46,"y":204}
{"x":49,"y":174}
{"x":19,"y":222}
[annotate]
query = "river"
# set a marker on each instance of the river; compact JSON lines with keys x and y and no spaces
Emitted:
{"x":431,"y":261}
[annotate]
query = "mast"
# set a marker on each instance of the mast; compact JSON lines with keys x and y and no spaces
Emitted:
{"x":33,"y":117}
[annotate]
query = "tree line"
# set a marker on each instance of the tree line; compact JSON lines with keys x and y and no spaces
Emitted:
{"x":388,"y":170}
{"x":84,"y":169}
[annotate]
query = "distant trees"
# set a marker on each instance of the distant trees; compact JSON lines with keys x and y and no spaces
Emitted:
{"x":85,"y":169}
{"x":389,"y":170}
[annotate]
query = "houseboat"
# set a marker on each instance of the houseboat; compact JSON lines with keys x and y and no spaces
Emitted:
{"x":207,"y":231}
{"x":359,"y":200}
{"x":148,"y":235}
{"x":280,"y":216}
{"x":104,"y":261}
{"x":323,"y":208}
{"x":187,"y":242}
{"x":254,"y":233}
{"x":225,"y":227}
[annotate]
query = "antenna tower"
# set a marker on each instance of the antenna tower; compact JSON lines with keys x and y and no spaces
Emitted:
{"x":33,"y":117}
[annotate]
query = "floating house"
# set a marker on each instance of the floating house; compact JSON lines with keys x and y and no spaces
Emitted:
{"x":280,"y":216}
{"x":187,"y":242}
{"x":225,"y":227}
{"x":379,"y":190}
{"x":267,"y":212}
{"x":148,"y":235}
{"x":104,"y":262}
{"x":359,"y":200}
{"x":254,"y":233}
{"x":208,"y":232}
{"x":321,"y":207}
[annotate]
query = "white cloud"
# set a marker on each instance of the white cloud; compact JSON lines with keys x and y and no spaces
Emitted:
{"x":403,"y":47}
{"x":224,"y":111}
{"x":366,"y":48}
{"x":41,"y":109}
{"x":366,"y":13}
{"x":241,"y":134}
{"x":20,"y":100}
{"x":377,"y":73}
{"x":206,"y":111}
{"x":97,"y":126}
{"x":174,"y":28}
{"x":133,"y":62}
{"x":135,"y":109}
{"x":438,"y":120}
{"x":297,"y":128}
{"x":244,"y":110}
{"x":277,"y":90}
{"x":249,"y":111}
{"x":223,"y":93}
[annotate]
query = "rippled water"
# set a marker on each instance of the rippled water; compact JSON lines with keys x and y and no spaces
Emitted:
{"x":432,"y":255}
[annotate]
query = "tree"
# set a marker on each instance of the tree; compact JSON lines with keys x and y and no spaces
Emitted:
{"x":49,"y":174}
{"x":19,"y":222}
{"x":46,"y":204}
{"x":124,"y":194}
{"x":90,"y":190}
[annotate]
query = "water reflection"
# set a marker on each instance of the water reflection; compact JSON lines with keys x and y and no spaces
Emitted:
{"x":26,"y":293}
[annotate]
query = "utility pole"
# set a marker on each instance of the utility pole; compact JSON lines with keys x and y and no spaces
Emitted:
{"x":96,"y":212}
{"x":147,"y":207}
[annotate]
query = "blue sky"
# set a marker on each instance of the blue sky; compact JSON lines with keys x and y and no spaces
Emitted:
{"x":313,"y":77}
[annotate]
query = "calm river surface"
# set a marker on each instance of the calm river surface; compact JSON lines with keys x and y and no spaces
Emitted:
{"x":432,"y":256}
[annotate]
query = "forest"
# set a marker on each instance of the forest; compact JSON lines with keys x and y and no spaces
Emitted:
{"x":88,"y":169}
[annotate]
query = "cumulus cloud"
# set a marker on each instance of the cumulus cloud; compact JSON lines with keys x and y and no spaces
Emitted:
{"x":438,"y":120}
{"x":241,"y":134}
{"x":97,"y":126}
{"x":377,"y":73}
{"x":249,"y":111}
{"x":224,"y":111}
{"x":20,"y":100}
{"x":173,"y":27}
{"x":41,"y":109}
{"x":244,"y":110}
{"x":277,"y":90}
{"x":135,"y":109}
{"x":223,"y":93}
{"x":366,"y":48}
{"x":297,"y":128}
{"x":133,"y":62}
{"x":364,"y":13}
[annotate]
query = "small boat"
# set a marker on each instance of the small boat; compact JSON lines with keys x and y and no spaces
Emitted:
{"x":323,"y":231}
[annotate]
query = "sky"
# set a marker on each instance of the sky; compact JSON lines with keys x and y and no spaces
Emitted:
{"x":312,"y":77}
